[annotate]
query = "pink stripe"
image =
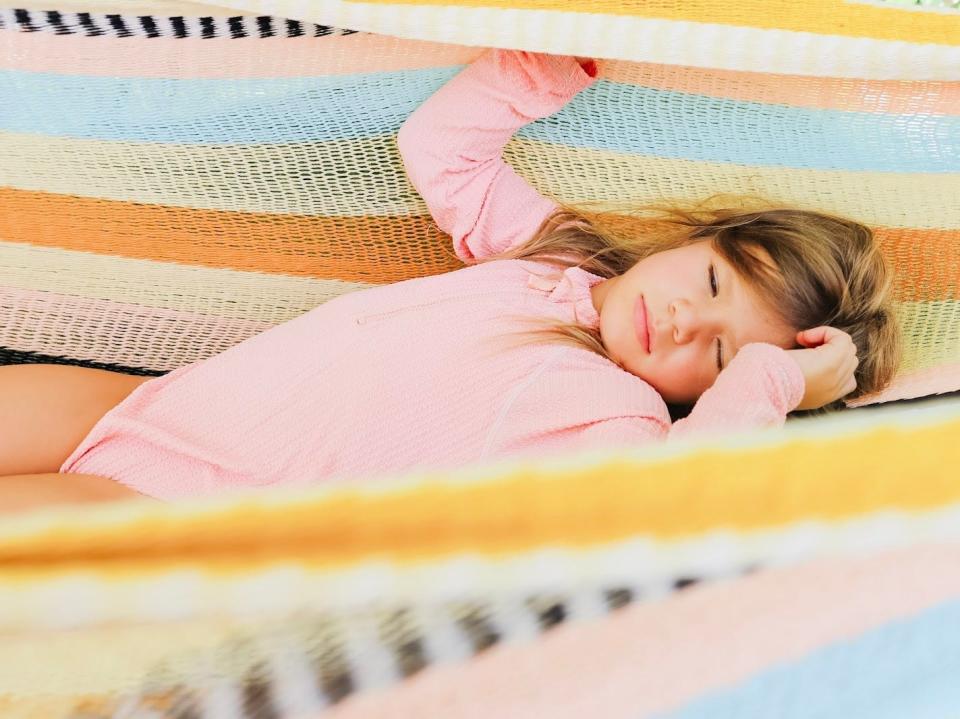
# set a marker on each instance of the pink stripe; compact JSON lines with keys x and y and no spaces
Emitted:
{"x":851,"y":95}
{"x":226,"y":58}
{"x":934,"y":380}
{"x":656,"y":657}
{"x":366,"y":53}
{"x":88,"y":329}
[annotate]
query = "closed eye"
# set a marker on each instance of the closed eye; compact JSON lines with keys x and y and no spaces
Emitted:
{"x":714,"y":291}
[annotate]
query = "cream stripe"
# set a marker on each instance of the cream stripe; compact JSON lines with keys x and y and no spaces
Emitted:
{"x":909,"y":200}
{"x":225,"y":178}
{"x":249,"y":296}
{"x":931,"y":332}
{"x":631,"y":38}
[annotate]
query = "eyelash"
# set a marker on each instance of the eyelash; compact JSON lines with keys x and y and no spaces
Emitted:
{"x":714,"y":290}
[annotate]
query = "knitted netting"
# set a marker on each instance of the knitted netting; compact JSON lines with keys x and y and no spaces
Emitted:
{"x":172,"y":184}
{"x":175,"y":178}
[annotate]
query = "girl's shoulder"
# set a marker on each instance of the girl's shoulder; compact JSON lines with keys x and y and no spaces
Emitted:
{"x":597,"y":386}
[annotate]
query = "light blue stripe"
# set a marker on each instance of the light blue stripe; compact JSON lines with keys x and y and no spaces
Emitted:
{"x":664,"y":123}
{"x":609,"y":116}
{"x":214,"y":111}
{"x":909,"y":669}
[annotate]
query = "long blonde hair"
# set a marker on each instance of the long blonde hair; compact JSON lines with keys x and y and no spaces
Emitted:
{"x":829,"y":270}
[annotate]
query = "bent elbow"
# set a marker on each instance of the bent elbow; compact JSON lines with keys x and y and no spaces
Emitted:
{"x":408,"y":138}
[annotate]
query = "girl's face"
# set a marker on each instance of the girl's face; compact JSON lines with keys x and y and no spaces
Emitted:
{"x":677,"y":317}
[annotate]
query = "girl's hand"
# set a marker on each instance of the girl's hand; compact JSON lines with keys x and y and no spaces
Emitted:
{"x":827,"y":365}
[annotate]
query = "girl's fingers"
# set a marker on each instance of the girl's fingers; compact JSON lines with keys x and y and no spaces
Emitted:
{"x":813,"y":337}
{"x":823,"y":335}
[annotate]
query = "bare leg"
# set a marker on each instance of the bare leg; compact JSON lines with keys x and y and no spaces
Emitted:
{"x":46,"y":410}
{"x":31,"y":491}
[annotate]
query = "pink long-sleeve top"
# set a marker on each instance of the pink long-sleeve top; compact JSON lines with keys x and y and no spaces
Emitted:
{"x":424,"y":374}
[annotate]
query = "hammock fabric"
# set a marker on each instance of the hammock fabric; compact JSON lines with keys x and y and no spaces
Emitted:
{"x":172,"y":185}
{"x":175,"y":178}
{"x":286,"y":604}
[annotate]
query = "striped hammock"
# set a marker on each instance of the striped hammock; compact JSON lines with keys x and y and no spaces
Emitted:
{"x":175,"y":178}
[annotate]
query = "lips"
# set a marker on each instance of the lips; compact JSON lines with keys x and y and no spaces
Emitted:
{"x":641,"y":323}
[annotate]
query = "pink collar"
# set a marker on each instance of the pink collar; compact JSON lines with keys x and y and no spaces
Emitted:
{"x":572,"y":286}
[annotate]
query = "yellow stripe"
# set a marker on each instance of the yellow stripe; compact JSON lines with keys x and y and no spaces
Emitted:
{"x":841,"y":471}
{"x":827,"y":17}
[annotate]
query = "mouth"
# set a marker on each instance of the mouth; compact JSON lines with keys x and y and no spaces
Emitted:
{"x":641,"y":323}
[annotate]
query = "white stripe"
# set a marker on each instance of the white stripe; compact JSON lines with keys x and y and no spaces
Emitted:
{"x":223,"y":700}
{"x":293,"y":685}
{"x":513,"y":621}
{"x":586,"y":605}
{"x":443,"y":640}
{"x":371,"y":663}
{"x":170,"y":597}
{"x":637,"y":39}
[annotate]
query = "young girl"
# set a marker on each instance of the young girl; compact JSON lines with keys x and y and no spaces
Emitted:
{"x":566,"y":331}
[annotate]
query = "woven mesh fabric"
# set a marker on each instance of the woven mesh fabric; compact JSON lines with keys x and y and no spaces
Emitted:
{"x":172,"y":185}
{"x":175,"y":179}
{"x":297,"y":600}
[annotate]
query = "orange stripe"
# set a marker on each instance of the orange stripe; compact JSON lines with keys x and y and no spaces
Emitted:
{"x":373,"y":249}
{"x":926,"y":263}
{"x":356,"y":249}
{"x":901,"y":97}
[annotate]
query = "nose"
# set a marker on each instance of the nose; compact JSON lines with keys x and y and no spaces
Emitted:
{"x":689,"y":321}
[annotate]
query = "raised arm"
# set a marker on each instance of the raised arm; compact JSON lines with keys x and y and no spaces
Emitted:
{"x":452,"y":146}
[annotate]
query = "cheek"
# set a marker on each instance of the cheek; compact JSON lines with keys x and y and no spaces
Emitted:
{"x":680,"y":378}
